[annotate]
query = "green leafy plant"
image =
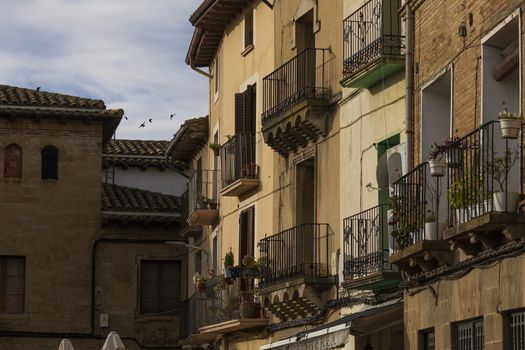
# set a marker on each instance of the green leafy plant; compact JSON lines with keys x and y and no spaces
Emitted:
{"x":229,"y":259}
{"x":465,"y":191}
{"x":249,"y":261}
{"x":203,"y":202}
{"x":402,"y":236}
{"x":214,"y":146}
{"x":430,"y":216}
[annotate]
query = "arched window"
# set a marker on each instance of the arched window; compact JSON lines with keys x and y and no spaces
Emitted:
{"x":50,"y":163}
{"x":13,"y":162}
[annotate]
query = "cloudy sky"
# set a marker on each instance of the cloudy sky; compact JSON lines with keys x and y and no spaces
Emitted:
{"x":130,"y":53}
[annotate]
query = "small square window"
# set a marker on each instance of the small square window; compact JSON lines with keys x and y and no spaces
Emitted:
{"x":248,"y":28}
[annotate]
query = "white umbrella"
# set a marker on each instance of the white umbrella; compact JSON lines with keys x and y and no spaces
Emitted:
{"x":113,"y":342}
{"x":65,"y":344}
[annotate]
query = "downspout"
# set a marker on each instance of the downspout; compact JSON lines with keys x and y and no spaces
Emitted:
{"x":409,"y":82}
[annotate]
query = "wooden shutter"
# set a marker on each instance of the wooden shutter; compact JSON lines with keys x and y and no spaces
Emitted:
{"x":240,"y":108}
{"x":246,"y":239}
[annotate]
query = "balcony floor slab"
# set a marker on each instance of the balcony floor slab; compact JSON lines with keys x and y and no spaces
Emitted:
{"x":240,"y":187}
{"x":374,"y":281}
{"x":424,"y":254}
{"x":234,"y":326}
{"x":203,"y":217}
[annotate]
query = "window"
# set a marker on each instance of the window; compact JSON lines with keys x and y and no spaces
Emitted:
{"x":13,"y":162}
{"x":248,"y":29}
{"x":469,"y":335}
{"x":428,"y":339}
{"x":160,"y":287}
{"x":516,"y":330}
{"x":216,"y":263}
{"x":12,"y":284}
{"x":50,"y":163}
{"x":216,"y":77}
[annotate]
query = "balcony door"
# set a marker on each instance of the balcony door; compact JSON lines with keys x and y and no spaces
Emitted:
{"x":305,"y":39}
{"x":246,"y":239}
{"x":304,"y":215}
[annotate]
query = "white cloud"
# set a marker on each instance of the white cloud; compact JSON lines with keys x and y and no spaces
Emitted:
{"x":130,"y":53}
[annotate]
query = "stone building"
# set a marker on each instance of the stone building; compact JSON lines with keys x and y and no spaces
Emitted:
{"x":459,"y":231}
{"x":80,"y":258}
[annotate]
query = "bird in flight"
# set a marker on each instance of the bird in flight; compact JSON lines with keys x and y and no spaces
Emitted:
{"x":150,"y":120}
{"x":125,"y":117}
{"x":171,"y":116}
{"x":143,"y":125}
{"x":38,"y":88}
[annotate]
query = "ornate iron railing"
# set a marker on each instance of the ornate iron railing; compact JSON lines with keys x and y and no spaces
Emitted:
{"x":202,"y":190}
{"x":238,"y":158}
{"x":306,"y":76}
{"x":483,"y":173}
{"x":301,"y":251}
{"x":371,"y":32}
{"x":366,"y":244}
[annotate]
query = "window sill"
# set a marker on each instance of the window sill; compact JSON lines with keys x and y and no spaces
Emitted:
{"x":247,"y":50}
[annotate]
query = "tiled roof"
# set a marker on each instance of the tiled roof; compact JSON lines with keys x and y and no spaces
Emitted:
{"x":139,"y":153}
{"x":29,"y":103}
{"x":189,"y":140}
{"x":138,"y":147}
{"x":16,"y":96}
{"x":127,"y":199}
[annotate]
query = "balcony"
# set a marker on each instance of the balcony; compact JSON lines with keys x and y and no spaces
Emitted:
{"x":295,"y":270}
{"x":474,"y":202}
{"x":296,"y":99}
{"x":187,"y":230}
{"x":240,"y":173}
{"x":373,"y":45}
{"x":203,"y":198}
{"x":223,"y":308}
{"x":366,"y":251}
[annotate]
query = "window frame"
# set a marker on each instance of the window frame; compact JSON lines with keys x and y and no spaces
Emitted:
{"x":473,"y":323}
{"x":3,"y":295}
{"x":20,"y":160}
{"x":216,"y":77}
{"x":166,"y":313}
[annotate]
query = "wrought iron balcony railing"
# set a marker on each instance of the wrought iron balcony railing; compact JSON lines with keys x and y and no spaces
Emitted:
{"x":203,"y":190}
{"x":307,"y":76}
{"x":370,"y":33}
{"x":484,"y":174}
{"x":238,"y":158}
{"x":366,"y":243}
{"x":219,"y":302}
{"x":301,"y":251}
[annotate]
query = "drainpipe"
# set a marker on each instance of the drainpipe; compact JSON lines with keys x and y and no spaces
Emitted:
{"x":409,"y":81}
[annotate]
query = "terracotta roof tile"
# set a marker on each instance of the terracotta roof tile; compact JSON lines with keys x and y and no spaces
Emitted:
{"x":138,"y":147}
{"x":16,"y":96}
{"x":127,"y":199}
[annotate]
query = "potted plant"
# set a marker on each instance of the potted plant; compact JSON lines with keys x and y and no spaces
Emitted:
{"x":402,"y":236}
{"x":216,"y":148}
{"x":436,"y":160}
{"x":499,"y":169}
{"x":202,"y":202}
{"x":466,"y":196}
{"x":431,"y":226}
{"x":510,"y":123}
{"x":213,"y":204}
{"x":228,"y":264}
{"x":249,"y":267}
